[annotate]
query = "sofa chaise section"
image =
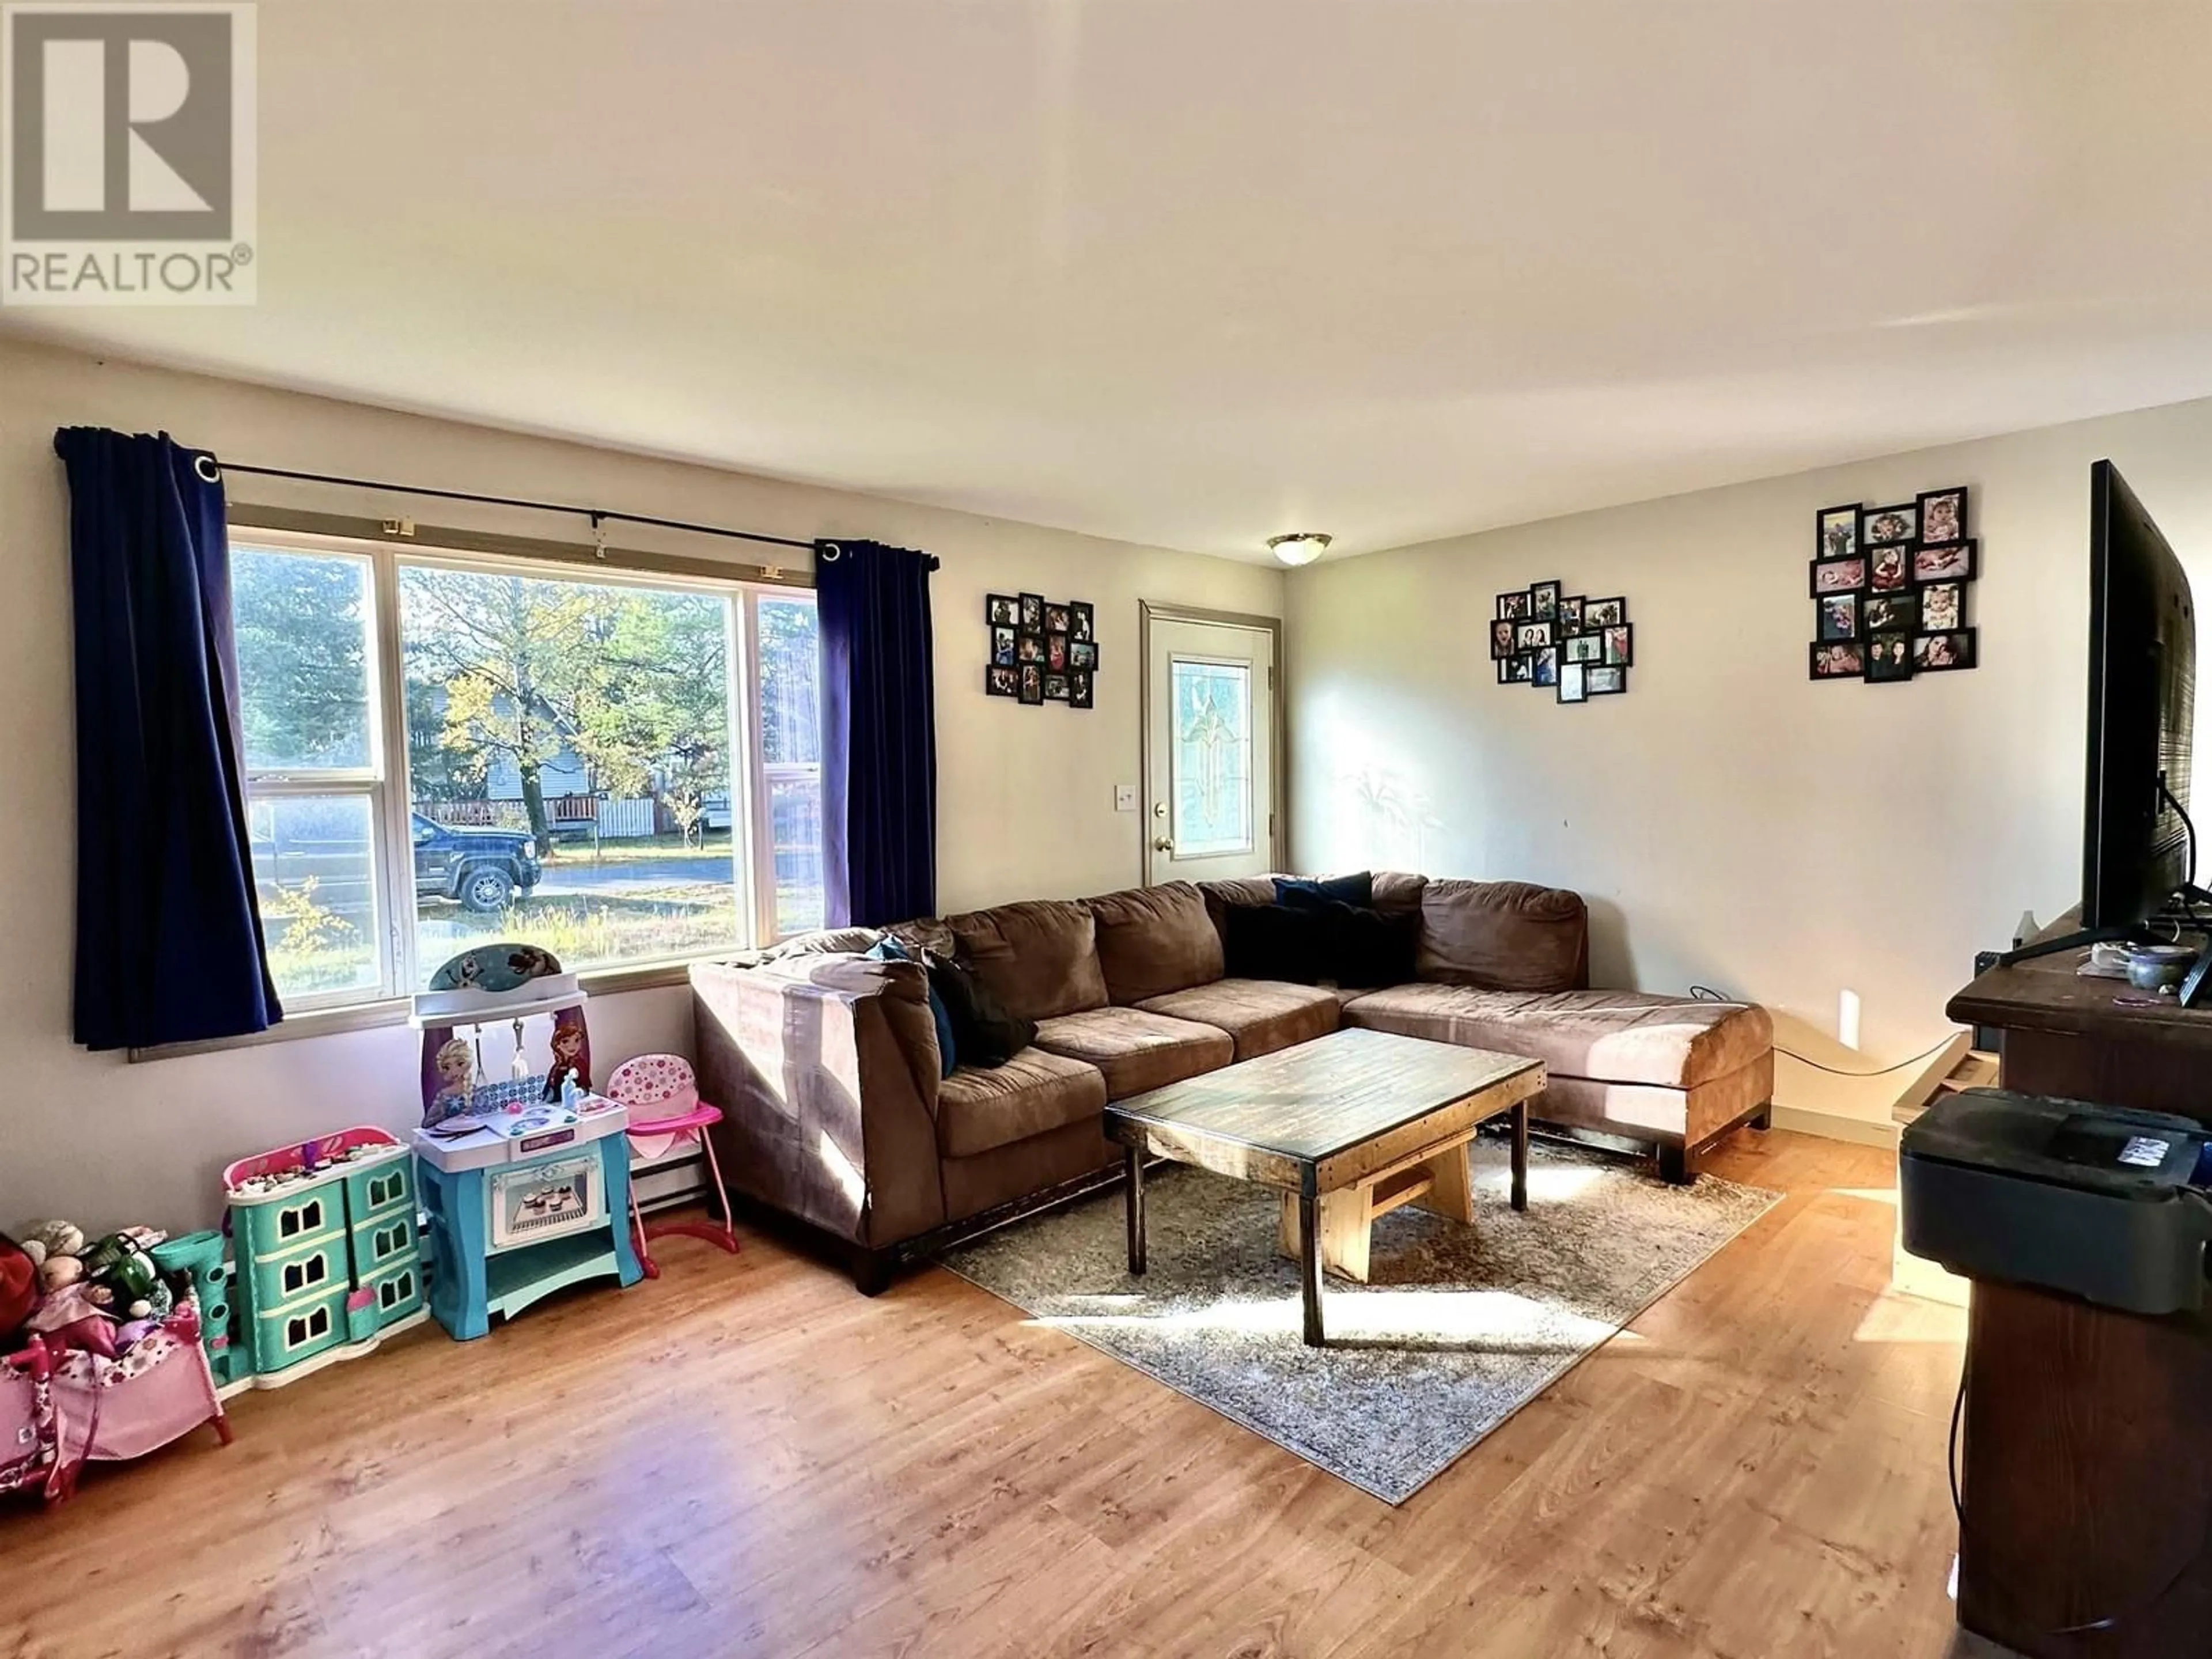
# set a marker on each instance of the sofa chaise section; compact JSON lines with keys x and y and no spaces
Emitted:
{"x":1671,"y":1073}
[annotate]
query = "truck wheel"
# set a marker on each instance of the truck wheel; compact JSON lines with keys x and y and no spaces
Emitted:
{"x":484,"y":889}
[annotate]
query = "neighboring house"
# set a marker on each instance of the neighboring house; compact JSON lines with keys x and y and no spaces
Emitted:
{"x":565,"y":774}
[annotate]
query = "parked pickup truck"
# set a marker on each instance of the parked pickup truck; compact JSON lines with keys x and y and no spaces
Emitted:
{"x":482,"y":869}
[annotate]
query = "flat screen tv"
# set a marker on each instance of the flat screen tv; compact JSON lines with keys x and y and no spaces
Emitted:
{"x":2143,"y":698}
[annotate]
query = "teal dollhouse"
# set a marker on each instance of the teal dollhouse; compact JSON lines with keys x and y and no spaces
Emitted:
{"x":327,"y":1261}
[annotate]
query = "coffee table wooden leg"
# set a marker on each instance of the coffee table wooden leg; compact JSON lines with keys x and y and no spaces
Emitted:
{"x":1310,"y":1266}
{"x":1135,"y":1158}
{"x":1521,"y":1155}
{"x":1451,"y":1191}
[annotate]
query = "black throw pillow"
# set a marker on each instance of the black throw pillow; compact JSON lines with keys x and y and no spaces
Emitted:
{"x":983,"y":1031}
{"x":1310,"y":892}
{"x":1312,"y":942}
{"x":1368,"y":948}
{"x":1271,"y":941}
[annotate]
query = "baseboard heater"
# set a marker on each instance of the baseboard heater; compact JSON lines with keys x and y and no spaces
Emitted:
{"x":678,"y":1177}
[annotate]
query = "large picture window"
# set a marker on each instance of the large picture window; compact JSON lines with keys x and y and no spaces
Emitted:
{"x":442,"y":752}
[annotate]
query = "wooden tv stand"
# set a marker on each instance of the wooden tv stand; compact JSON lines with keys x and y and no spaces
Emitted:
{"x":2087,"y":1466}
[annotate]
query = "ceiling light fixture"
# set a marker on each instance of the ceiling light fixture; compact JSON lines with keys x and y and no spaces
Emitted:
{"x":1302,"y":548}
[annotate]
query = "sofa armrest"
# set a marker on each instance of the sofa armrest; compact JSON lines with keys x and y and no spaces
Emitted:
{"x":825,"y":1067}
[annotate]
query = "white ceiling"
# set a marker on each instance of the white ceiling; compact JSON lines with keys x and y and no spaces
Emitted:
{"x":1195,"y":272}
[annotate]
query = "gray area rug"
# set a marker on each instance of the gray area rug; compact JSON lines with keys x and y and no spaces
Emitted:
{"x":1458,"y":1327}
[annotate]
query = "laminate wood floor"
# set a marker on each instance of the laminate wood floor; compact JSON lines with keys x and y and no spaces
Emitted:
{"x":748,"y":1458}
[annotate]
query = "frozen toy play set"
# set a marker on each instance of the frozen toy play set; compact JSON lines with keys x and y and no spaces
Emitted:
{"x":526,"y":1183}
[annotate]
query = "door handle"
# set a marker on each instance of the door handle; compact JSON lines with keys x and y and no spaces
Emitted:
{"x":1164,"y":844}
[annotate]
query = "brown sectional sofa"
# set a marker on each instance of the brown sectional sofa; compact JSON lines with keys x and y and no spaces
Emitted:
{"x":826,"y":1066}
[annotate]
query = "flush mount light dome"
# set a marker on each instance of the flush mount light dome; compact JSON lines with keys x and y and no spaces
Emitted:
{"x":1302,"y":548}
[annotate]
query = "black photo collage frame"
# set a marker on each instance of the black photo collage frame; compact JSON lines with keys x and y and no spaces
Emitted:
{"x":1575,"y":646}
{"x":1041,"y":651}
{"x":1890,"y":586}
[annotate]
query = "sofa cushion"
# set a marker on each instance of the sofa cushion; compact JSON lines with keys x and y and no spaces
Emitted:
{"x":1260,"y":1015}
{"x":1040,"y":958}
{"x":1136,"y":1050}
{"x":1032,"y":1094}
{"x":1614,"y":1037}
{"x":1152,"y":940}
{"x":1394,"y":889}
{"x":1504,"y":936}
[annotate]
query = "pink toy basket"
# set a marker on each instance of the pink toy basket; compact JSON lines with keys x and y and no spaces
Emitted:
{"x":661,"y":1093}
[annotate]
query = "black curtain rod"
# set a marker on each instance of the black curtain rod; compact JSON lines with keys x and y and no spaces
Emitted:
{"x":596,"y":515}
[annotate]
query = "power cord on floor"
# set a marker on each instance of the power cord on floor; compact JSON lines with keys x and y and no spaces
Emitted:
{"x":1706,"y":994}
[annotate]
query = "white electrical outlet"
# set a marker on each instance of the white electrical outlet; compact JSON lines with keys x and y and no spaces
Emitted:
{"x":1125,"y":797}
{"x":1847,"y":1019}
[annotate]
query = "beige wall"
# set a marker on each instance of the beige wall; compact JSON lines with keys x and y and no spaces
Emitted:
{"x":1731,"y":822}
{"x":1026,"y":794}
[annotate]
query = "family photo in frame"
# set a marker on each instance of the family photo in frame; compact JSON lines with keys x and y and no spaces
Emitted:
{"x":1041,"y":651}
{"x":1889,"y":587}
{"x":1571,"y":645}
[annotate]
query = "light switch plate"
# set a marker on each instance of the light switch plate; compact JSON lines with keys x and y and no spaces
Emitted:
{"x":1125,"y":797}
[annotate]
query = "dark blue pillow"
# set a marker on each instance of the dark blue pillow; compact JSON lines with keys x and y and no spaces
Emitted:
{"x":888,"y":949}
{"x":1309,"y":892}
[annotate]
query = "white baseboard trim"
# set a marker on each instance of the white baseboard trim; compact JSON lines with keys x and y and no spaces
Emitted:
{"x":1836,"y":1126}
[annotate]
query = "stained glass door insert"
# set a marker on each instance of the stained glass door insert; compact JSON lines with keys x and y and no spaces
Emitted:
{"x":1212,"y":758}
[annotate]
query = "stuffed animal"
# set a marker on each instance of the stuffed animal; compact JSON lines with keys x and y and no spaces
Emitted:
{"x":55,"y":1238}
{"x":46,"y":1242}
{"x":124,"y":1282}
{"x":58,"y":1272}
{"x":58,"y":1247}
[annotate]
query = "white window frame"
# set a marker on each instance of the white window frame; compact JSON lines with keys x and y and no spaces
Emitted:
{"x":760,"y":777}
{"x":372,"y":781}
{"x":389,"y":785}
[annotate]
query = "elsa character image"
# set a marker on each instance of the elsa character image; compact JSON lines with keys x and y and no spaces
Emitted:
{"x":454,"y":1070}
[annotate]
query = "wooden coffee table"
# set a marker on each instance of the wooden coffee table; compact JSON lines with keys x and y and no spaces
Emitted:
{"x":1346,"y":1127}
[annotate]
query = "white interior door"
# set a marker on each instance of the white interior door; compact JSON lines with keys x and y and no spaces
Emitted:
{"x":1210,"y":748}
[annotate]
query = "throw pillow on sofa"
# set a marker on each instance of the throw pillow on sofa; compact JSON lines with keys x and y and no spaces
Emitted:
{"x":1327,"y":942}
{"x":988,"y":1035}
{"x":1269,"y":941}
{"x":948,"y":1039}
{"x":1311,"y":892}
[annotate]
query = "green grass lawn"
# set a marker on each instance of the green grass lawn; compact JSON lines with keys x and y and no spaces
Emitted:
{"x":639,"y":849}
{"x":587,"y":930}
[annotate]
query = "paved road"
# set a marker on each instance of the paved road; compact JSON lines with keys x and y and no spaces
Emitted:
{"x":578,"y":874}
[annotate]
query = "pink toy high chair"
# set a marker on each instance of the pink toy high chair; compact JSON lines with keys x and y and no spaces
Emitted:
{"x":662,"y":1096}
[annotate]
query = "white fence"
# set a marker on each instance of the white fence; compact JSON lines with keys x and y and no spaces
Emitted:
{"x":626,"y":818}
{"x":632,"y":817}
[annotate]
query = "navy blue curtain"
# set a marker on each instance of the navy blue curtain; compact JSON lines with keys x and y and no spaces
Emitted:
{"x":879,"y":734}
{"x":168,"y":933}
